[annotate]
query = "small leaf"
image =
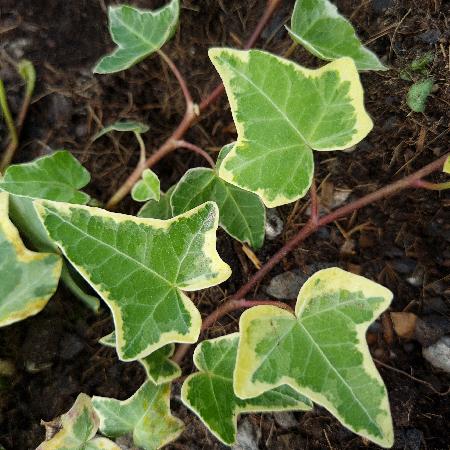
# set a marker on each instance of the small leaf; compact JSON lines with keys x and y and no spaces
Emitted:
{"x":147,"y":188}
{"x":78,"y":428}
{"x":54,"y":177}
{"x":123,"y":126}
{"x":140,"y":267}
{"x":322,"y":353}
{"x":158,"y":365}
{"x":242,"y":214}
{"x":282,"y":112}
{"x":446,"y":167}
{"x":418,"y":94}
{"x":421,"y":62}
{"x":138,"y":34}
{"x":28,"y":279}
{"x":28,"y":73}
{"x":317,"y":25}
{"x":146,"y":416}
{"x":158,"y":209}
{"x":209,"y":393}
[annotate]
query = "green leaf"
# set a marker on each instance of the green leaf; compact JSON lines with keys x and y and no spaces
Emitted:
{"x":146,"y":416}
{"x":140,"y":267}
{"x":54,"y":177}
{"x":28,"y":279}
{"x":158,"y":365}
{"x":158,"y":209}
{"x":209,"y":393}
{"x":418,"y":94}
{"x":242,"y":214}
{"x":317,"y":25}
{"x":78,"y":428}
{"x":446,"y":167}
{"x":123,"y":126}
{"x":147,"y":188}
{"x":322,"y":352}
{"x":422,"y":61}
{"x":282,"y":112}
{"x":28,"y":73}
{"x":138,"y":34}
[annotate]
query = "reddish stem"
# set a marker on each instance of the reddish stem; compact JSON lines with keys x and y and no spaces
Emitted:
{"x":312,"y":226}
{"x":195,"y":149}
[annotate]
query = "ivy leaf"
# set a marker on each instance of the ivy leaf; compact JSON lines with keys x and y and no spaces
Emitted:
{"x":123,"y":126}
{"x":146,"y":416}
{"x":58,"y":177}
{"x":78,"y":428}
{"x":322,"y":353}
{"x":140,"y":267}
{"x":418,"y":94}
{"x":282,"y":112}
{"x":446,"y":167}
{"x":147,"y":188}
{"x":209,"y":393}
{"x":317,"y":25}
{"x":28,"y":279}
{"x":242,"y":214}
{"x":158,"y":209}
{"x":138,"y":34}
{"x":158,"y":365}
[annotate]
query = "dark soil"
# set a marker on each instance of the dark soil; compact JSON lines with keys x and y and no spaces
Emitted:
{"x":402,"y":242}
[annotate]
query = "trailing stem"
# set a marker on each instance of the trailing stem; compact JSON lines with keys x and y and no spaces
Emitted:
{"x":315,"y":222}
{"x":191,"y":114}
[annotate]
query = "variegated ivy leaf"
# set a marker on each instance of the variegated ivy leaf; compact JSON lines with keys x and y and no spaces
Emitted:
{"x":317,"y":25}
{"x":58,"y":177}
{"x":242,"y":214}
{"x":158,"y":209}
{"x":146,"y":416}
{"x":140,"y":267}
{"x":28,"y":279}
{"x":123,"y":126}
{"x":282,"y":112}
{"x":209,"y":393}
{"x":78,"y":428}
{"x":147,"y":188}
{"x":138,"y":34}
{"x":158,"y":365}
{"x":446,"y":167}
{"x":321,"y":352}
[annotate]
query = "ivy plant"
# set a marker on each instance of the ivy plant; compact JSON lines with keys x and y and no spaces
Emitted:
{"x":143,"y":267}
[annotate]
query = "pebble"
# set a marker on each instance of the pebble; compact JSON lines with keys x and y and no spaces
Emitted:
{"x":430,"y":329}
{"x":274,"y":224}
{"x":430,"y":37}
{"x":286,"y":285}
{"x":438,"y":354}
{"x":247,"y":436}
{"x":285,"y":420}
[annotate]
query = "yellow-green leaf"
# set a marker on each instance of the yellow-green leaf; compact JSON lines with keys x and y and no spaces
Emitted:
{"x":140,"y":267}
{"x":145,"y":416}
{"x":446,"y":167}
{"x":321,"y":351}
{"x":78,"y":429}
{"x":282,"y":112}
{"x":209,"y":393}
{"x":318,"y":26}
{"x":147,"y":188}
{"x":160,"y":209}
{"x":28,"y":279}
{"x":137,"y":33}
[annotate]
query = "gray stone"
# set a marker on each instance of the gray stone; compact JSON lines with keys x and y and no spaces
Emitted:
{"x":285,"y":419}
{"x":274,"y":224}
{"x":247,"y":436}
{"x":286,"y":285}
{"x":438,"y":354}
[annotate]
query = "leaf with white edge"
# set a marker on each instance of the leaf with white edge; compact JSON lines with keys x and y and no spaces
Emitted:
{"x":209,"y":393}
{"x":318,"y":26}
{"x":282,"y":112}
{"x":138,"y":34}
{"x":147,"y":188}
{"x":123,"y":126}
{"x":77,"y":429}
{"x":321,"y":352}
{"x":242,"y":214}
{"x":58,"y":177}
{"x":158,"y":365}
{"x":28,"y":279}
{"x":446,"y":167}
{"x":146,"y":416}
{"x":140,"y":267}
{"x":158,"y":209}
